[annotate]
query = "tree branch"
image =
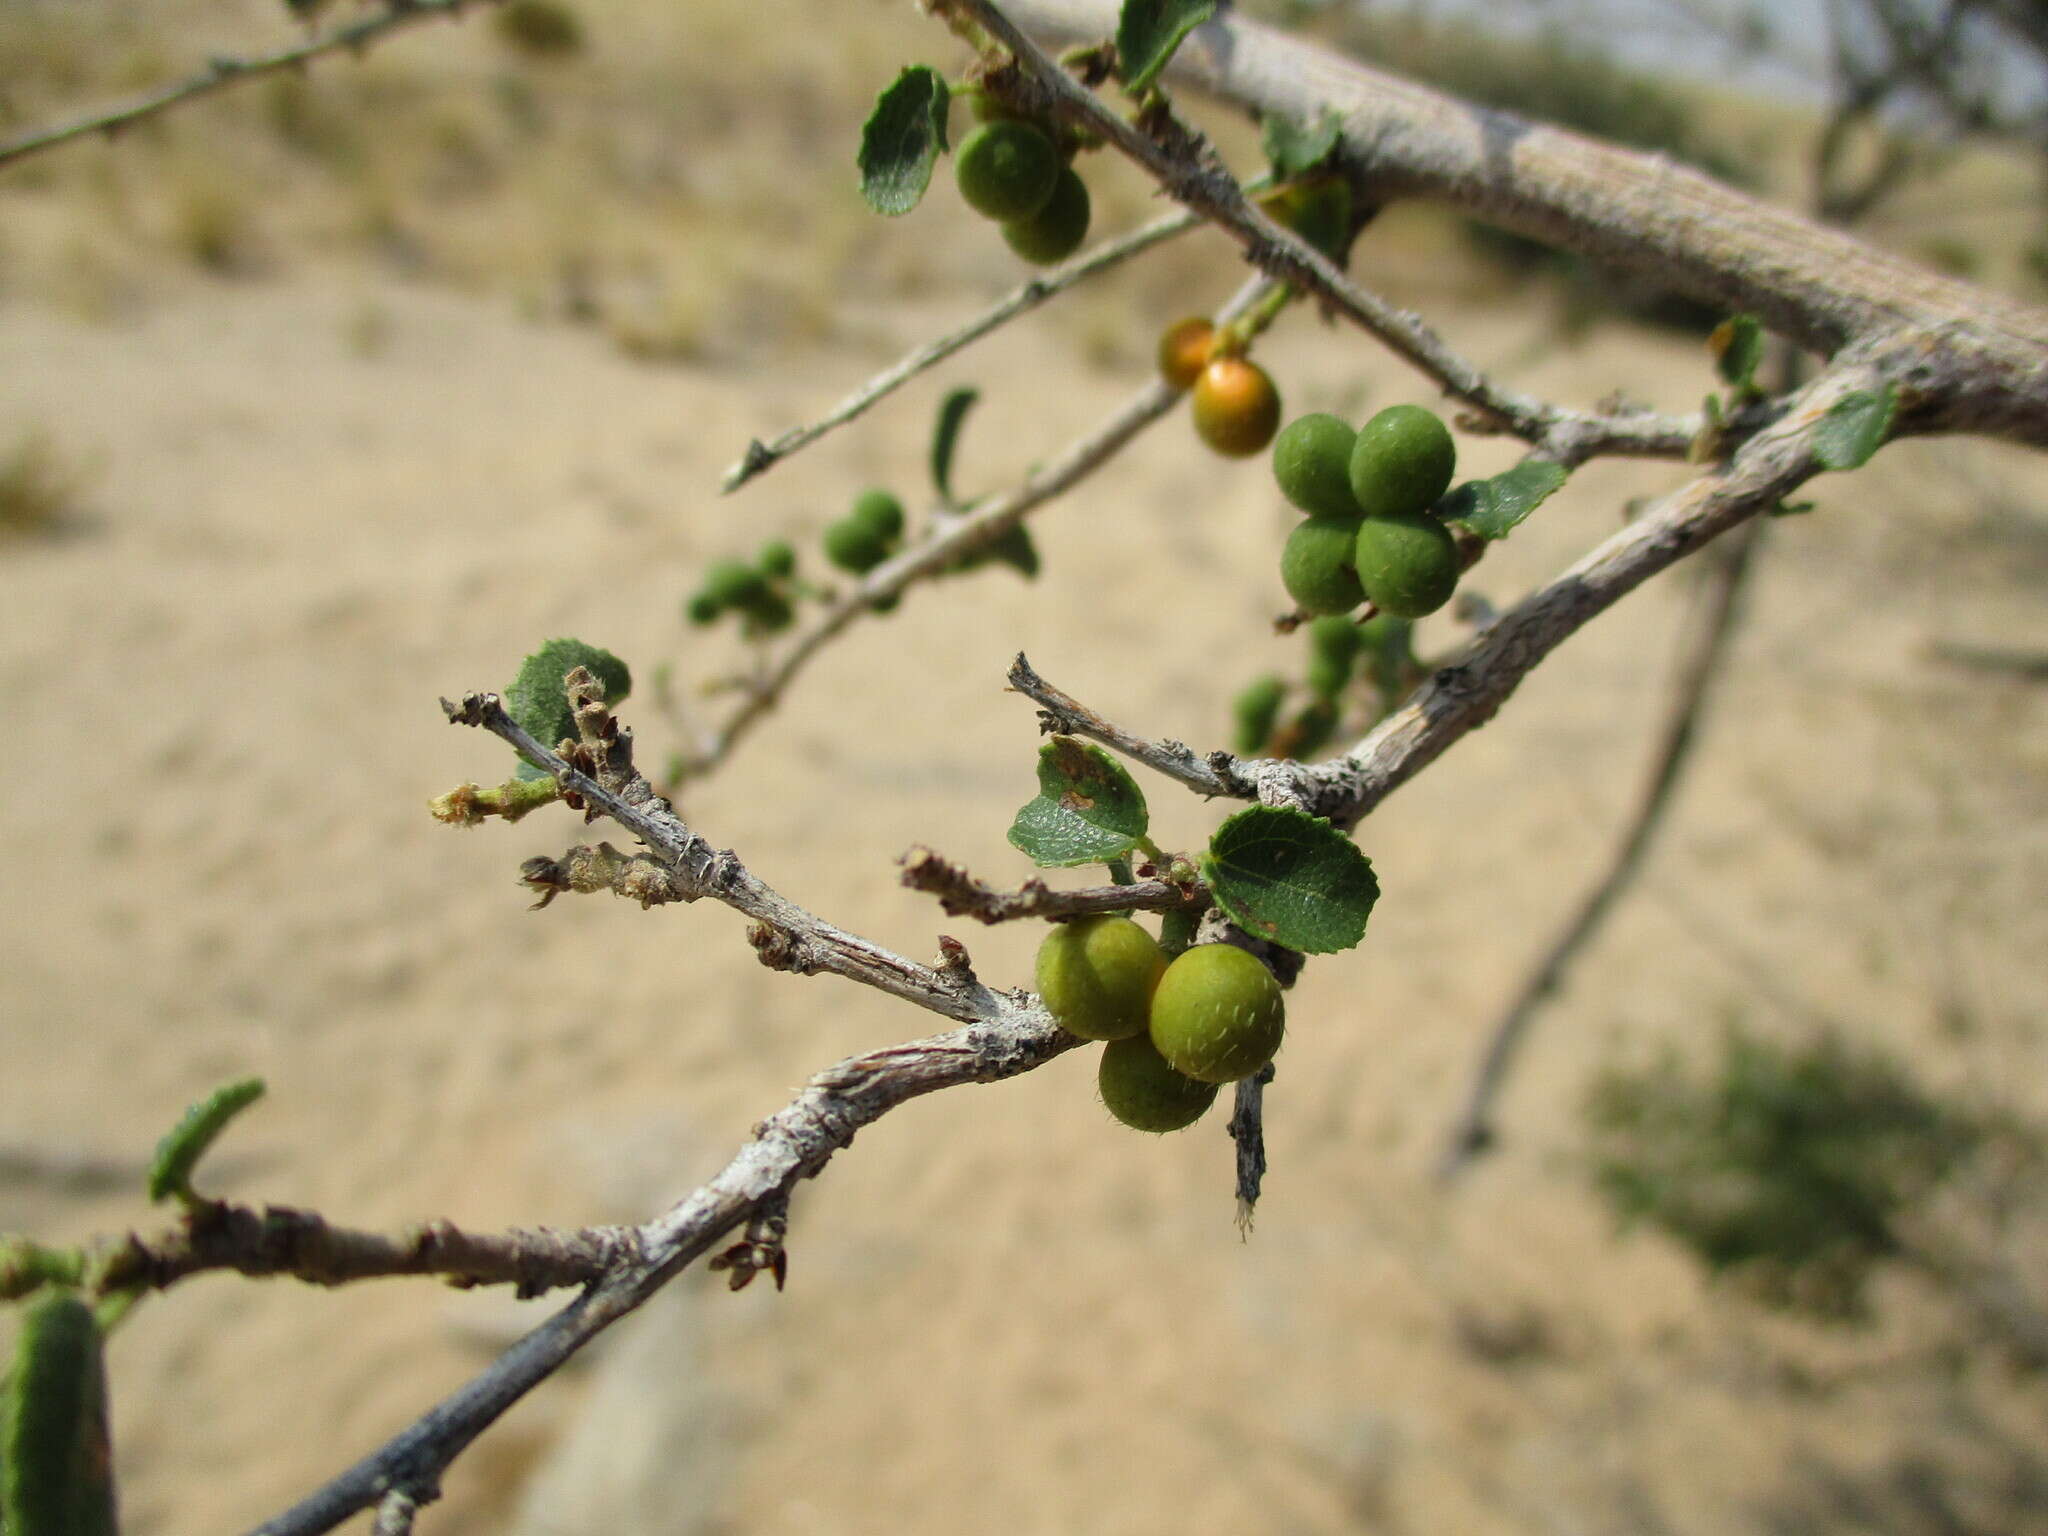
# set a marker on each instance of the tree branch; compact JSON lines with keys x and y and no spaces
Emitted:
{"x":226,"y":71}
{"x":962,"y":895}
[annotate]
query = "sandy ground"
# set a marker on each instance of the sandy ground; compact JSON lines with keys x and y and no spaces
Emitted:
{"x":1006,"y":1313}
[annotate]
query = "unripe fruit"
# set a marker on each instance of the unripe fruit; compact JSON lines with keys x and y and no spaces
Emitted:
{"x":1006,"y":170}
{"x":1315,"y":567}
{"x":1256,"y":709}
{"x":1141,"y":1090}
{"x":1308,"y":732}
{"x":1402,"y":462}
{"x":878,"y":512}
{"x":777,"y":558}
{"x":1096,"y":975}
{"x":1408,"y":565}
{"x":1184,"y":351}
{"x":852,"y":546}
{"x":704,"y":609}
{"x":1312,"y":464}
{"x":1056,"y":231}
{"x":733,"y":584}
{"x":1218,"y":1014}
{"x":1335,"y":637}
{"x":767,"y":614}
{"x":1237,"y":409}
{"x":1328,"y":674}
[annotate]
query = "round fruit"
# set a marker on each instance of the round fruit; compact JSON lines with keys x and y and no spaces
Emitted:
{"x":1308,"y":732}
{"x":1056,"y":231}
{"x":1006,"y":170}
{"x":1312,"y":463}
{"x":1335,"y":637}
{"x":1218,"y":1014}
{"x":733,"y":583}
{"x":1315,"y":567}
{"x":767,"y":614}
{"x":1184,"y":351}
{"x":1403,"y":460}
{"x":1141,"y":1090}
{"x":878,"y":512}
{"x":852,"y":546}
{"x":1328,"y":674}
{"x":1408,"y":565}
{"x":1096,"y":975}
{"x":704,"y":609}
{"x":1237,"y":409}
{"x":1256,"y":709}
{"x":777,"y":558}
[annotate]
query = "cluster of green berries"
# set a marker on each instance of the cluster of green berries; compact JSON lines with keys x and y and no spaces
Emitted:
{"x":1014,"y":172}
{"x":1370,"y":533}
{"x":1338,"y":650}
{"x":1236,"y":405}
{"x":762,"y":594}
{"x":1173,"y":1032}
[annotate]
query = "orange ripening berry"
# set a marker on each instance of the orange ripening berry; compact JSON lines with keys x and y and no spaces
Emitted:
{"x":1184,"y":351}
{"x":1237,"y":409}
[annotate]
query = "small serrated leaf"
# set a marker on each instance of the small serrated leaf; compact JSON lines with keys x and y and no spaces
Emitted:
{"x":1148,"y":31}
{"x":902,"y":140}
{"x":170,"y":1171}
{"x":1492,"y":508}
{"x":946,"y":437}
{"x":1291,"y":878}
{"x":1738,"y":347}
{"x":1294,"y":149}
{"x":1088,"y":810}
{"x":1854,"y":428}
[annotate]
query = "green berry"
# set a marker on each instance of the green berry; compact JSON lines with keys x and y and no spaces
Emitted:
{"x":1315,"y":567}
{"x":1096,"y":975}
{"x":852,"y":546}
{"x":1328,"y":674}
{"x":703,"y":609}
{"x":1256,"y":709}
{"x":1408,"y":565}
{"x":1015,"y":549}
{"x":777,"y":558}
{"x":1218,"y":1014}
{"x":1141,"y":1090}
{"x":1006,"y":170}
{"x":55,"y":1467}
{"x":1336,"y":637}
{"x":878,"y":512}
{"x":733,"y":583}
{"x":1056,"y":231}
{"x":1402,"y":462}
{"x":1308,"y":732}
{"x":767,"y":614}
{"x":1312,"y":463}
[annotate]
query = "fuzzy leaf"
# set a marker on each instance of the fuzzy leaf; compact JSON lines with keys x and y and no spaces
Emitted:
{"x":946,"y":436}
{"x":1738,"y":347}
{"x":1294,"y":149}
{"x":902,"y":139}
{"x":1854,"y":428}
{"x":1491,"y":508}
{"x":170,"y":1171}
{"x":1088,"y":809}
{"x":536,"y":700}
{"x":1292,"y":878}
{"x":1148,"y":31}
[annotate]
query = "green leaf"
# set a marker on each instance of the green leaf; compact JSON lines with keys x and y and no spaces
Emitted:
{"x":1491,"y":508}
{"x":1854,"y":428}
{"x":1292,"y":878}
{"x":1738,"y":347}
{"x":902,"y":139}
{"x":1791,"y":509}
{"x":1293,"y":149}
{"x":56,"y":1468}
{"x":1088,"y":810}
{"x":536,"y":702}
{"x":1148,"y":31}
{"x":946,"y":436}
{"x":170,"y":1171}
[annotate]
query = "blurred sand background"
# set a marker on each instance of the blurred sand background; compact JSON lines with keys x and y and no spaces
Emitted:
{"x":368,"y":381}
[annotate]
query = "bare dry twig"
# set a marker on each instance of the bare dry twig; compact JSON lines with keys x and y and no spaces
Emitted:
{"x":962,"y":895}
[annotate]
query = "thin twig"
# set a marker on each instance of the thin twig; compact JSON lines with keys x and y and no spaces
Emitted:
{"x":946,"y":545}
{"x":962,"y":895}
{"x":226,"y":71}
{"x":276,"y":1240}
{"x":1021,"y":300}
{"x":1192,"y":175}
{"x":1060,"y":712}
{"x":1473,"y":1132}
